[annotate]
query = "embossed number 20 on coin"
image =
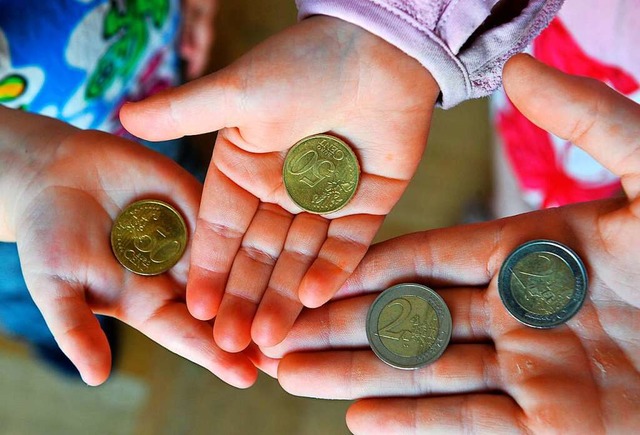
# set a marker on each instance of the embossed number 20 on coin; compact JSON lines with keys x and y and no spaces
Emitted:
{"x":321,"y":174}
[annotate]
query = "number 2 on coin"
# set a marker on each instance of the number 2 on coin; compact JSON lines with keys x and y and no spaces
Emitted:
{"x":389,"y":329}
{"x":545,"y":273}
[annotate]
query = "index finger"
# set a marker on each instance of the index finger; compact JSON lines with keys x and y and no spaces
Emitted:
{"x":461,"y":256}
{"x":440,"y":258}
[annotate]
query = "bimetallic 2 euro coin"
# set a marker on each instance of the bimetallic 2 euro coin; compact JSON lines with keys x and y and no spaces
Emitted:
{"x":148,"y":237}
{"x":408,"y":326}
{"x":542,"y":283}
{"x":321,"y":174}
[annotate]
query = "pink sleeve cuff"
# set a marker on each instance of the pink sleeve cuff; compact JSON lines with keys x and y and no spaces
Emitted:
{"x":444,"y":36}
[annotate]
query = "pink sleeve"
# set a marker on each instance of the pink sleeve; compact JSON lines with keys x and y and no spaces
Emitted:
{"x":456,"y":40}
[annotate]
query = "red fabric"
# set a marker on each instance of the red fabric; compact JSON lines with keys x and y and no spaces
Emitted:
{"x":529,"y":149}
{"x":537,"y":167}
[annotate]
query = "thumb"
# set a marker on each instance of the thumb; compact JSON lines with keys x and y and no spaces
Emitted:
{"x":75,"y":328}
{"x":201,"y":106}
{"x":583,"y":111}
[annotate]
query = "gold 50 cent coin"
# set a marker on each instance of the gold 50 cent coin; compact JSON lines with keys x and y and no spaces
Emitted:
{"x":542,"y":283}
{"x":149,"y":237}
{"x":321,"y":174}
{"x":408,"y":326}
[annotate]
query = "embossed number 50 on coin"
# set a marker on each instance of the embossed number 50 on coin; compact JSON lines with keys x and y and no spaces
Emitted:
{"x":148,"y":237}
{"x":321,"y":174}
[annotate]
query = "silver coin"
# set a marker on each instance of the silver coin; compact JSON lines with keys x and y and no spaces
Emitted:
{"x":542,"y":283}
{"x":408,"y":326}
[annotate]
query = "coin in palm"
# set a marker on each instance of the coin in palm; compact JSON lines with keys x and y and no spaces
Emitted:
{"x":148,"y":237}
{"x":542,"y":283}
{"x":321,"y":174}
{"x":408,"y":326}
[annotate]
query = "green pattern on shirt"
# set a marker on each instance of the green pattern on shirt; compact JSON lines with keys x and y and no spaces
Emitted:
{"x":130,"y":30}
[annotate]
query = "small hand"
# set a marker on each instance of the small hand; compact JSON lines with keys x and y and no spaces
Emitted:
{"x":498,"y":375}
{"x":253,"y":244}
{"x":197,"y":35}
{"x":70,"y":191}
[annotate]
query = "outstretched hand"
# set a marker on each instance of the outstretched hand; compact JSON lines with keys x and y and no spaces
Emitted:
{"x":69,"y":188}
{"x":497,"y":374}
{"x":255,"y":253}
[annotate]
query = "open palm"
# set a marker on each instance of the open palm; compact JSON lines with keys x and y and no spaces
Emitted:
{"x":255,"y":253}
{"x":498,"y":375}
{"x":62,"y":228}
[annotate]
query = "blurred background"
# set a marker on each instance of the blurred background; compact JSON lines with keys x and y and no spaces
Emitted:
{"x":155,"y":392}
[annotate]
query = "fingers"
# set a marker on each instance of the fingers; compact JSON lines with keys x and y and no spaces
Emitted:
{"x":350,"y":375}
{"x":586,"y":112}
{"x":249,"y":276}
{"x":225,"y":214}
{"x":74,"y":326}
{"x":341,"y":324}
{"x":348,"y":239}
{"x":429,"y":257}
{"x":490,"y":413}
{"x":261,"y":361}
{"x":336,"y":325}
{"x":446,"y":258}
{"x":280,"y":306}
{"x":168,"y":322}
{"x":204,"y":105}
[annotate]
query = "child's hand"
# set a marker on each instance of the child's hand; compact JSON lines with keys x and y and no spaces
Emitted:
{"x":197,"y":35}
{"x":498,"y":375}
{"x":321,"y":75}
{"x":60,"y":191}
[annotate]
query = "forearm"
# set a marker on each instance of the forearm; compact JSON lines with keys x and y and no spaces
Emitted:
{"x":27,"y":143}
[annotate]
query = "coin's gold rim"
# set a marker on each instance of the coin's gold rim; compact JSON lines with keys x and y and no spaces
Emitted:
{"x":337,"y":139}
{"x":147,"y":201}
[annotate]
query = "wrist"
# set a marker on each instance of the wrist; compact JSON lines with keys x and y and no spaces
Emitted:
{"x":461,"y":45}
{"x":377,"y":56}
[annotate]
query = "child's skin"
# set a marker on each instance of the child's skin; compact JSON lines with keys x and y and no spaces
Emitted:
{"x":254,"y":253}
{"x":197,"y":35}
{"x":498,"y":375}
{"x":60,"y":190}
